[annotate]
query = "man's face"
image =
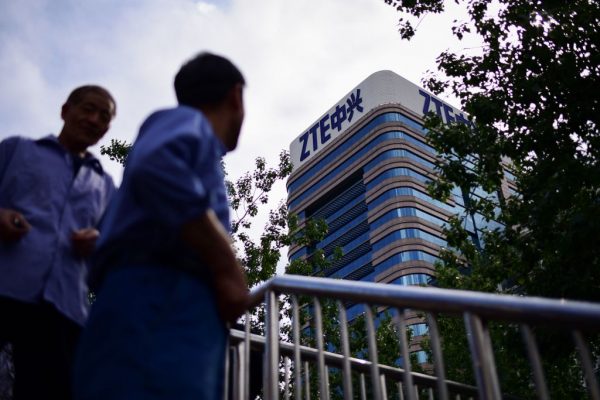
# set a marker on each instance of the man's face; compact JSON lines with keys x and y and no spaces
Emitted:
{"x":237,"y":118}
{"x":88,"y":120}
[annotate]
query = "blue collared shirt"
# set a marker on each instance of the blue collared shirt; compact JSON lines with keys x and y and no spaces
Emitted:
{"x":173,"y":174}
{"x":37,"y":178}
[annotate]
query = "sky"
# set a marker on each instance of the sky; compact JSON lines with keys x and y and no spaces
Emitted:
{"x":299,"y":58}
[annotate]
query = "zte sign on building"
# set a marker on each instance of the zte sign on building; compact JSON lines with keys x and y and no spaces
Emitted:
{"x":381,"y":88}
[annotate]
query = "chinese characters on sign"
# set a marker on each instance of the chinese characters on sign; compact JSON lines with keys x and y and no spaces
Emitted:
{"x":319,"y":134}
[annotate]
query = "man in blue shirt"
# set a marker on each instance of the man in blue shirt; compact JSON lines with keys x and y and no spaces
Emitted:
{"x":52,"y":195}
{"x":167,"y":278}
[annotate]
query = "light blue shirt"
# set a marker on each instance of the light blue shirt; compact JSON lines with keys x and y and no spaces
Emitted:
{"x":37,"y":178}
{"x":173,"y":174}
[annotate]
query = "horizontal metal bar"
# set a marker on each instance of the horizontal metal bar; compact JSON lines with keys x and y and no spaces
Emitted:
{"x":486,"y":305}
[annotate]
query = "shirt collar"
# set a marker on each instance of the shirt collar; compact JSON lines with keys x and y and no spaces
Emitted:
{"x":89,"y":159}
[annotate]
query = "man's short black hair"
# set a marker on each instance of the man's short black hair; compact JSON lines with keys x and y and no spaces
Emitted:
{"x":77,"y":95}
{"x":205,"y":80}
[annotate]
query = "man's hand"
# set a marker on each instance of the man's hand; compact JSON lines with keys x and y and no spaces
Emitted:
{"x":13,"y":225}
{"x":84,"y":241}
{"x":232,"y":295}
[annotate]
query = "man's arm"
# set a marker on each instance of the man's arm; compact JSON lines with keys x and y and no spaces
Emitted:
{"x":207,"y":236}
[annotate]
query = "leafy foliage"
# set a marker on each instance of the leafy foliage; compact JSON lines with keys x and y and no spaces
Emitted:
{"x":116,"y":151}
{"x":533,"y":94}
{"x":247,"y":195}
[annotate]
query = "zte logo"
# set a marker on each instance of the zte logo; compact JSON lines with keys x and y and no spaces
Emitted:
{"x":444,"y":111}
{"x":319,"y":134}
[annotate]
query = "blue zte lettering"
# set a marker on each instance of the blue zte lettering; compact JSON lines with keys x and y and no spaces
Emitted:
{"x":426,"y":102}
{"x":313,"y":132}
{"x":320,"y":133}
{"x":438,"y":106}
{"x":324,"y":127}
{"x":304,"y":140}
{"x":449,"y":115}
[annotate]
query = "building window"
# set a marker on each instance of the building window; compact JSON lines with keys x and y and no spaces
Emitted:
{"x":412,"y":280}
{"x":418,"y":329}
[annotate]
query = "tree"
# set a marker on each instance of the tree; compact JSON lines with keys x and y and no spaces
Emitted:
{"x":116,"y":151}
{"x":246,"y":195}
{"x":534,"y":94}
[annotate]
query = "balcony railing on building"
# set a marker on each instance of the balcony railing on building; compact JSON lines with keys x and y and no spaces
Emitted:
{"x":292,"y":370}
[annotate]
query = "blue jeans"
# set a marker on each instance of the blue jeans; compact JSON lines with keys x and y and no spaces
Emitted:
{"x":153,"y":333}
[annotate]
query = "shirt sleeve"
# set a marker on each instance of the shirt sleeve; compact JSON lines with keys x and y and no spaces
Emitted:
{"x":164,"y":176}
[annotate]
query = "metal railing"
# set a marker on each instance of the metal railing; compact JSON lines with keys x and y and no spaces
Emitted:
{"x":297,"y":371}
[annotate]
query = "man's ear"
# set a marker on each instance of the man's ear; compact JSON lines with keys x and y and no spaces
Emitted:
{"x":64,"y":109}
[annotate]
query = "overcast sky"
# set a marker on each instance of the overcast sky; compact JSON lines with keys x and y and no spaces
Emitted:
{"x":299,"y":58}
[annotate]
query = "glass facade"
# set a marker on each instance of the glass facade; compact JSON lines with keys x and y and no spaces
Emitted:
{"x":388,"y":150}
{"x":370,"y":187}
{"x":369,"y":184}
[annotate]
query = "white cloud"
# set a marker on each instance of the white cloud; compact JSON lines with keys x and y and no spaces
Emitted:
{"x":205,"y":8}
{"x":299,"y":58}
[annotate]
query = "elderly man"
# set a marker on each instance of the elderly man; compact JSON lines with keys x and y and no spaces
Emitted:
{"x":52,"y":195}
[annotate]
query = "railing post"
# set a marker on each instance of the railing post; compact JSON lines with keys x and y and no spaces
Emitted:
{"x":345,"y":351}
{"x":588,"y":366}
{"x":408,"y":381}
{"x":482,"y":357}
{"x":240,"y":389}
{"x":363,"y":387}
{"x":372,"y":342}
{"x":536,"y":363}
{"x":245,"y":389}
{"x":320,"y":350}
{"x":297,"y":360}
{"x":438,"y":359}
{"x":400,"y":391}
{"x":271,"y":378}
{"x":306,"y":381}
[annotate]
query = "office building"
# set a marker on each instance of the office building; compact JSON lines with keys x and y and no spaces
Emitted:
{"x":363,"y":167}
